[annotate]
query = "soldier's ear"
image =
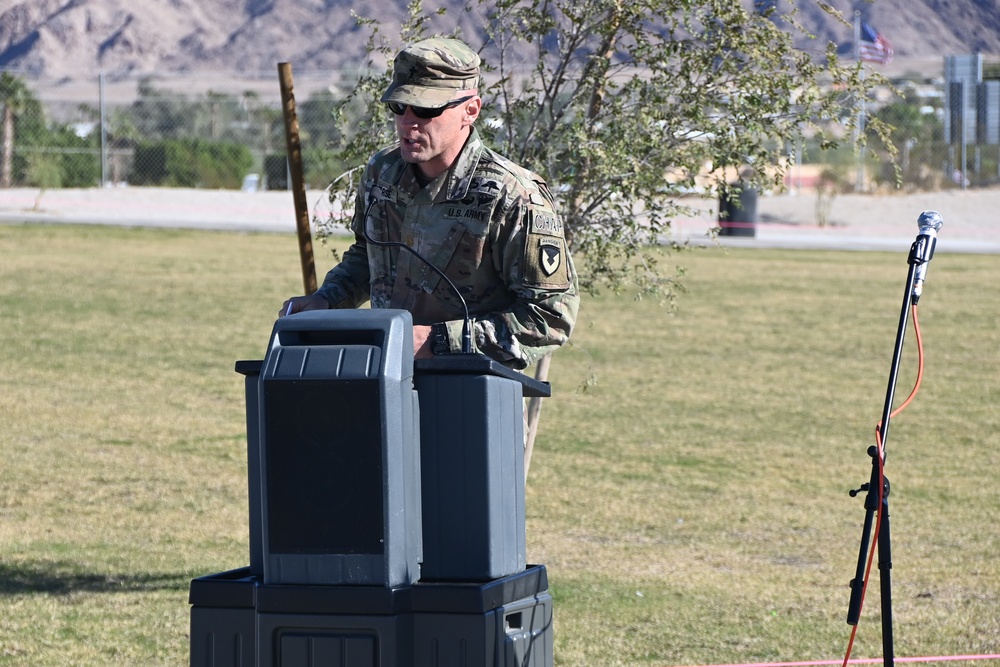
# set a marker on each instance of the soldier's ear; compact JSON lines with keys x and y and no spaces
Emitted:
{"x":472,"y":109}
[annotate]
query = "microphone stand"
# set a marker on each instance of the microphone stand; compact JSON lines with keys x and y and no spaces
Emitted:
{"x":878,"y":485}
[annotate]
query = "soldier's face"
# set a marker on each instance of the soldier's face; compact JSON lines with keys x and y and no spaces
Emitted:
{"x":433,"y":144}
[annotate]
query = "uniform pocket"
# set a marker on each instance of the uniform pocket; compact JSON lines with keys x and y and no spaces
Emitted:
{"x":460,"y":255}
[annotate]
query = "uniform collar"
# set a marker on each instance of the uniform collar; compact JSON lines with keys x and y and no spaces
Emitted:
{"x":459,"y":177}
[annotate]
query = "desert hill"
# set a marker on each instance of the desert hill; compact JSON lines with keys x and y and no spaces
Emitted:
{"x":64,"y":40}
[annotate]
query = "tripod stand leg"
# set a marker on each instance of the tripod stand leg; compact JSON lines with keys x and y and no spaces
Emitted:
{"x":885,"y":580}
{"x":858,"y":583}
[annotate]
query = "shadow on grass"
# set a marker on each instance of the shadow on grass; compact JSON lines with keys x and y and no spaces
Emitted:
{"x":65,"y":578}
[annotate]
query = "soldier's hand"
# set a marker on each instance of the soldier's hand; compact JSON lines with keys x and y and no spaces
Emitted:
{"x":422,"y":342}
{"x":297,"y":304}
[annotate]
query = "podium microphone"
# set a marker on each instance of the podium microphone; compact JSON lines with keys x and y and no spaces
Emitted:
{"x":930,"y":223}
{"x":467,"y":319}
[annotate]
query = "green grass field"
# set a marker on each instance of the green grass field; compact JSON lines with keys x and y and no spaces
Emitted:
{"x":688,"y":490}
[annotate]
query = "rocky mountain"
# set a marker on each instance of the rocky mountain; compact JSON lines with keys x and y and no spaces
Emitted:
{"x":79,"y":38}
{"x":71,"y":39}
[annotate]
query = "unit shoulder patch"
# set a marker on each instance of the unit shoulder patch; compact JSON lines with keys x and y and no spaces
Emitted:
{"x":549,"y":256}
{"x":545,"y":262}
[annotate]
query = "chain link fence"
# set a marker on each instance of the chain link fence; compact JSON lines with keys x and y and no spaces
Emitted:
{"x":199,"y":131}
{"x":212,"y":131}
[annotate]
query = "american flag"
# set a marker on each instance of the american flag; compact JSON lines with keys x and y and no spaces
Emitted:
{"x":873,"y":47}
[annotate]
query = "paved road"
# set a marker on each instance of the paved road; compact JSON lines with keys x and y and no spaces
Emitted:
{"x":972,"y":220}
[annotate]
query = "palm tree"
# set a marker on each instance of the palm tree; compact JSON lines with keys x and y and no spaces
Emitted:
{"x":14,"y":98}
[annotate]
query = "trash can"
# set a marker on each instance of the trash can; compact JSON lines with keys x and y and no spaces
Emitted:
{"x":738,"y":210}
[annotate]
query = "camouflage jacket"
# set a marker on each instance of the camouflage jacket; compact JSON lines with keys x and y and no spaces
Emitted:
{"x":490,"y":226}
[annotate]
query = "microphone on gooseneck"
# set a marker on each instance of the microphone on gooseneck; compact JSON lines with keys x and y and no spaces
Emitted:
{"x":930,"y":223}
{"x":467,"y":320}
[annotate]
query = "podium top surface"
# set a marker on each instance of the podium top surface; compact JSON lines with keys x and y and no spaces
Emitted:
{"x":478,"y":364}
{"x":471,"y":364}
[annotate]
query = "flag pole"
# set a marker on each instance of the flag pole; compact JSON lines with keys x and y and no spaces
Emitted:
{"x":859,"y":183}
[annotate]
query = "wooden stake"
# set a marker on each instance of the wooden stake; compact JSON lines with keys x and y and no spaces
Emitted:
{"x":294,"y":152}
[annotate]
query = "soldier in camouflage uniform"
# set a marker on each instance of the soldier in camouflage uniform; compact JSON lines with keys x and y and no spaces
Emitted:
{"x":489,"y":224}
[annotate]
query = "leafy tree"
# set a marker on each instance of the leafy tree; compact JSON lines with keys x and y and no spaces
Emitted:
{"x":162,"y":114}
{"x":64,"y":159}
{"x":918,"y":138}
{"x":122,"y":137}
{"x":318,"y":130}
{"x":16,"y":101}
{"x":48,"y":154}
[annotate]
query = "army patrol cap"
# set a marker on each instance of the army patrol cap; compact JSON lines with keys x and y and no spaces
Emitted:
{"x":430,"y":72}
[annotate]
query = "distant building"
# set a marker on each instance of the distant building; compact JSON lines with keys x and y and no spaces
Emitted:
{"x":972,"y":104}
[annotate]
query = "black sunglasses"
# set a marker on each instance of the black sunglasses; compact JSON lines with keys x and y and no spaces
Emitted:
{"x":425,"y":112}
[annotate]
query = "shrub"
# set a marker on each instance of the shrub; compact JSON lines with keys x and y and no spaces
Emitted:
{"x":191,"y":163}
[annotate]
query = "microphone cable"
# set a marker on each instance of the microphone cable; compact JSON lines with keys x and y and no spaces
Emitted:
{"x":881,"y":476}
{"x":467,"y":319}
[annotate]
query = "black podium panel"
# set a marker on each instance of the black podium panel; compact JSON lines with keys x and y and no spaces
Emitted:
{"x":324,"y":490}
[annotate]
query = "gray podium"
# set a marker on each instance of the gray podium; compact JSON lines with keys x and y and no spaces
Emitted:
{"x":386,"y":509}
